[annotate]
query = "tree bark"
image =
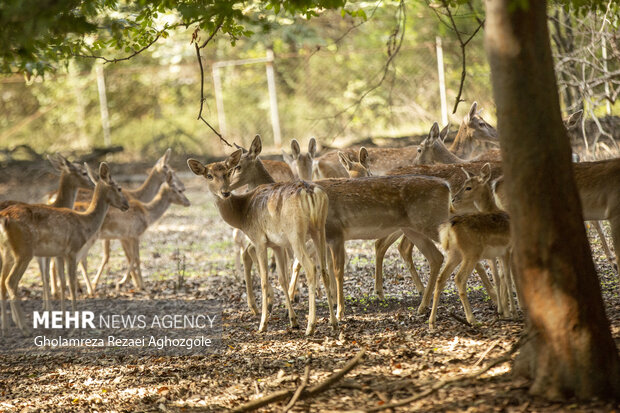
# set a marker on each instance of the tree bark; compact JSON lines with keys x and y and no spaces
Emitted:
{"x":571,"y":351}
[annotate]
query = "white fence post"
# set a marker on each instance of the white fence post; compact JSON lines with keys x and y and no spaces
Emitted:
{"x":273,"y":100}
{"x":442,"y":82}
{"x":103,"y":105}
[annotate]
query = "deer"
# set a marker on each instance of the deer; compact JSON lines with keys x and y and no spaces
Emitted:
{"x":469,"y":237}
{"x":44,"y":231}
{"x":278,"y":216}
{"x":73,"y":176}
{"x":129,"y":226}
{"x":157,"y":175}
{"x":473,"y":130}
{"x":600,"y":199}
{"x":356,"y":169}
{"x":371,"y":208}
{"x":301,"y":164}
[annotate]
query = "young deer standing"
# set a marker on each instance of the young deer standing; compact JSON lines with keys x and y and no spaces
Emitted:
{"x":371,"y":208}
{"x":73,"y":176}
{"x":157,"y":175}
{"x":278,"y":216}
{"x":44,"y":231}
{"x":468,"y":238}
{"x":129,"y":226}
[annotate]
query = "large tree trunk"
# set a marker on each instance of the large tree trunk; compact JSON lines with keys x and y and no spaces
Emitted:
{"x":570,"y":351}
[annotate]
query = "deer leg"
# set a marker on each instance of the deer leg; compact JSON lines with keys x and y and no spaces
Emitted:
{"x":60,"y":271}
{"x":512,"y":308}
{"x":461,"y":284}
{"x":453,"y":260}
{"x":338,"y":258}
{"x":137,"y":264}
{"x":405,"y":248}
{"x":484,"y":278}
{"x":261,"y":254}
{"x":84,"y":269}
{"x":238,"y":238}
{"x":45,"y":279}
{"x":17,"y":271}
{"x":435,"y":259}
{"x":381,"y":247}
{"x":320,"y":246}
{"x":7,"y":264}
{"x":292,"y":287}
{"x":280,"y":257}
{"x":53,"y":280}
{"x":129,"y":256}
{"x":601,"y":235}
{"x":104,"y":261}
{"x":72,"y":272}
{"x":247,"y":272}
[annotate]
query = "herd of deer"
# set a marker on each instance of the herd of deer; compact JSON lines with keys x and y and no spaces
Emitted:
{"x":426,"y":194}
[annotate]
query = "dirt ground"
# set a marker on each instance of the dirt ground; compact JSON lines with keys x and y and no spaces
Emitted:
{"x":188,"y":254}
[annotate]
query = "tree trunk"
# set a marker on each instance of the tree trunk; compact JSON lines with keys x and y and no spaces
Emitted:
{"x":570,"y":351}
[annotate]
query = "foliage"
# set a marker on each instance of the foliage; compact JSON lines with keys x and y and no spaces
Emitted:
{"x":42,"y":34}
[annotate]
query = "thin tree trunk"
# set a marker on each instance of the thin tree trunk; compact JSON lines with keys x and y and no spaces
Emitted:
{"x":571,"y":351}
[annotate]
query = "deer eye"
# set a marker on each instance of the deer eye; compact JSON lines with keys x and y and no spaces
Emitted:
{"x":419,"y":150}
{"x":209,"y":177}
{"x":468,"y":188}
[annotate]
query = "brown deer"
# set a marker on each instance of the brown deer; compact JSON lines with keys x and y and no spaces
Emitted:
{"x":600,"y":199}
{"x":73,"y":176}
{"x":129,"y":226}
{"x":157,"y":175}
{"x":356,"y":169}
{"x":44,"y":231}
{"x":371,"y":208}
{"x":276,"y":216}
{"x":472,"y":134}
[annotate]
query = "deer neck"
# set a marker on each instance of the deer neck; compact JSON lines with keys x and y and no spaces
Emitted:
{"x":487,"y":202}
{"x":66,"y":194}
{"x":260,"y":175}
{"x":462,"y":146}
{"x":96,"y":212}
{"x":233,"y":210}
{"x":148,"y":189}
{"x":158,"y":205}
{"x":443,"y":155}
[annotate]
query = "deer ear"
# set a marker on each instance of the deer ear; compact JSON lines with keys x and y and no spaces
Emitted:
{"x":90,"y":173}
{"x":344,"y":160}
{"x":312,"y":147}
{"x":104,"y":172}
{"x":444,"y":132}
{"x":57,"y":161}
{"x":485,"y":172}
{"x":256,"y":147}
{"x":287,"y":158}
{"x":364,"y":157}
{"x":196,"y":167}
{"x":573,"y":119}
{"x":434,"y":133}
{"x":295,"y":149}
{"x":234,"y":158}
{"x":467,"y":175}
{"x":472,"y":112}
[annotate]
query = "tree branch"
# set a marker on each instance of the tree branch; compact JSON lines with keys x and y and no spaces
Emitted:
{"x":120,"y":59}
{"x":312,"y":391}
{"x":463,"y":45}
{"x":202,"y":79}
{"x":503,"y":359}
